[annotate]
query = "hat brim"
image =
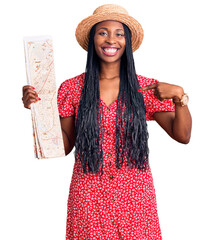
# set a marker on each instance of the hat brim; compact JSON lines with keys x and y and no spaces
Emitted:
{"x":84,"y":27}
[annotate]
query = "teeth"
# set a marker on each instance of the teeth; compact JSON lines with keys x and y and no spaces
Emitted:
{"x":110,"y":50}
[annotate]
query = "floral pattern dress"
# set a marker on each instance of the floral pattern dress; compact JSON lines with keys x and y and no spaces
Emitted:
{"x":120,"y":204}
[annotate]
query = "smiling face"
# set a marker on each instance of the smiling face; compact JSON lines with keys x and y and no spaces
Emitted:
{"x":109,"y":41}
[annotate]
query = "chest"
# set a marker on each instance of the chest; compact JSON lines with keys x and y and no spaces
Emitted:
{"x":109,"y":90}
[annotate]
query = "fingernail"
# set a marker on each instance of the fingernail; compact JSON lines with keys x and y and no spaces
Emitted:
{"x":139,"y":90}
{"x":33,"y":87}
{"x":39,"y":98}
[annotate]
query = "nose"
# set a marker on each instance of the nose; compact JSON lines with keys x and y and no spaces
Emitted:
{"x":111,"y":39}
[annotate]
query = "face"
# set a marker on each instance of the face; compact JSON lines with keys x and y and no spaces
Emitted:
{"x":109,"y":41}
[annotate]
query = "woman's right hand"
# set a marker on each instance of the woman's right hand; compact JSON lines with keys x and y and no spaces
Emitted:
{"x":29,"y":95}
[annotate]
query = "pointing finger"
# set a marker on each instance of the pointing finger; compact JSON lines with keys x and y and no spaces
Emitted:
{"x":149,"y":87}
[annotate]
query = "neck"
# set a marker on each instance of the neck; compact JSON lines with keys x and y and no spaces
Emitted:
{"x":109,"y":70}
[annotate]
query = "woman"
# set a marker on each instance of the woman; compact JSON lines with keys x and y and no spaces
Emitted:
{"x":103,"y":113}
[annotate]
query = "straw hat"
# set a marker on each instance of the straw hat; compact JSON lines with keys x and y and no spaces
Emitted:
{"x":109,"y":12}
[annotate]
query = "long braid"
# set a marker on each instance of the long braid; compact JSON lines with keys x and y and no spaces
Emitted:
{"x":135,"y":143}
{"x":89,"y":137}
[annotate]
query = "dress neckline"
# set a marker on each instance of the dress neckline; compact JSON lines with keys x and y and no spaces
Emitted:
{"x":112,"y":104}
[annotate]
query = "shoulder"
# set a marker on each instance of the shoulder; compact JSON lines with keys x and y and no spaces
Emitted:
{"x":68,"y":95}
{"x":70,"y":83}
{"x":72,"y":86}
{"x":144,"y":81}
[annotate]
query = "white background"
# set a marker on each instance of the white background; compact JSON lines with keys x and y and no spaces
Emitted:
{"x":178,"y":48}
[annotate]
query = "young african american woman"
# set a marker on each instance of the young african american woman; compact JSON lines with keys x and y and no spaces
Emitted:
{"x":119,"y":203}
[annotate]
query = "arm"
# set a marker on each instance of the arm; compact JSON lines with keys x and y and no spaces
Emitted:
{"x":68,"y":131}
{"x":177,"y":124}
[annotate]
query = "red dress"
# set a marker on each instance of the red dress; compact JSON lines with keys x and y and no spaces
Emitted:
{"x":120,"y":204}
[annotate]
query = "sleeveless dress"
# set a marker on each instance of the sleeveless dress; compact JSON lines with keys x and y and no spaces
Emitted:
{"x":120,"y":204}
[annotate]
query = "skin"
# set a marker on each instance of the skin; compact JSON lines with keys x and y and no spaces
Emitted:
{"x":111,"y":34}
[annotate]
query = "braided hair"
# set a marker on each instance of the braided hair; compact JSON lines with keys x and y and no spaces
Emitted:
{"x":131,"y":126}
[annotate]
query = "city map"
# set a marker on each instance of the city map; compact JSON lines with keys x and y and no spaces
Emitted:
{"x":39,"y":61}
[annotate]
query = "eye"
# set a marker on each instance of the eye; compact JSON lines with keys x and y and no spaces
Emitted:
{"x":120,"y":34}
{"x":102,"y":33}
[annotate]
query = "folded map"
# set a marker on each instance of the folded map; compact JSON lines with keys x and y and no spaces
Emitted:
{"x":39,"y":61}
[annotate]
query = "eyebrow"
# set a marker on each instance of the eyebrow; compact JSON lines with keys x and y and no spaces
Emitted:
{"x":107,"y":28}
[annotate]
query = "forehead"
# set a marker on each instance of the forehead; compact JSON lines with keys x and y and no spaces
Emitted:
{"x":109,"y":24}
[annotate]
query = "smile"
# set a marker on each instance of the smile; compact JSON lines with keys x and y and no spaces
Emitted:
{"x":110,"y":51}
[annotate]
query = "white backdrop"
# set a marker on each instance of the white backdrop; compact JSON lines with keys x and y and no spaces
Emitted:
{"x":178,"y":48}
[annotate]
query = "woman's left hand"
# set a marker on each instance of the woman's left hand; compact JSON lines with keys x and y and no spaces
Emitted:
{"x":164,"y":91}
